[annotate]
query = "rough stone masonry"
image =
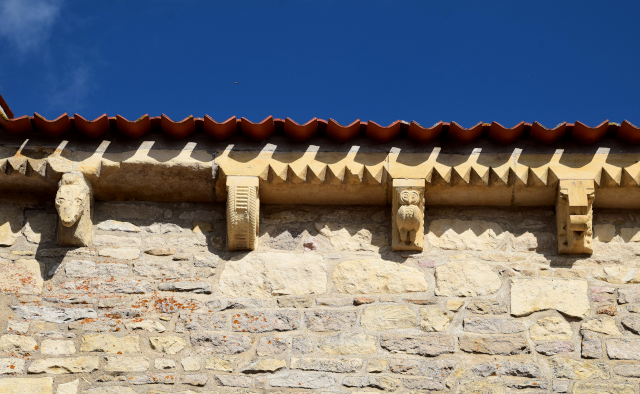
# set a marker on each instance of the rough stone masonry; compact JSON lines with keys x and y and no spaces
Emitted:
{"x":157,"y":304}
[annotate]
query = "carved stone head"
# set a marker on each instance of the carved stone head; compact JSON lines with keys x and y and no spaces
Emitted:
{"x":409,"y":197}
{"x":72,"y":198}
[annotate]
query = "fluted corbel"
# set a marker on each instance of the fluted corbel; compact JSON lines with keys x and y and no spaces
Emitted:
{"x":574,"y":216}
{"x":243,"y":212}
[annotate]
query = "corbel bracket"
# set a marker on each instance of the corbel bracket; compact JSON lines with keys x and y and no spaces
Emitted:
{"x":574,"y":215}
{"x":74,"y":203}
{"x":408,"y":214}
{"x":243,"y":212}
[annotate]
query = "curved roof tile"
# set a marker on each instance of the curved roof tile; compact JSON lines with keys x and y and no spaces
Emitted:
{"x":258,"y":131}
{"x":52,"y":128}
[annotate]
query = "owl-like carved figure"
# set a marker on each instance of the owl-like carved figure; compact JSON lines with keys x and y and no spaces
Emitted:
{"x":409,"y":217}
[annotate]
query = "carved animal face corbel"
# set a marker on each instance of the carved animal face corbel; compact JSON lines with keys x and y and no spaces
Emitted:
{"x":243,"y":212}
{"x":574,"y":214}
{"x":74,"y":203}
{"x":408,"y":214}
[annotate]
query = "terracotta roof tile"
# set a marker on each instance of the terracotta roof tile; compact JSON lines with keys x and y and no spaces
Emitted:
{"x":318,"y":127}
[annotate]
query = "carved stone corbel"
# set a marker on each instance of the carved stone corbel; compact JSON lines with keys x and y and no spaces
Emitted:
{"x":74,"y":203}
{"x":574,"y":214}
{"x":243,"y":212}
{"x":408,"y":214}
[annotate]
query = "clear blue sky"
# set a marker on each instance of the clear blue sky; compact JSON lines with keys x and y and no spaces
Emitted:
{"x":427,"y":61}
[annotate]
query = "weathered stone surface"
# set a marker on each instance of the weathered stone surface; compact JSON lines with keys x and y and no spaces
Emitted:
{"x":192,"y":286}
{"x":466,"y":279}
{"x":197,"y":379}
{"x":233,"y":380}
{"x":334,"y":301}
{"x":591,"y":345}
{"x":388,"y":317}
{"x":566,"y":296}
{"x":432,"y":369}
{"x":377,"y":276}
{"x":605,"y":325}
{"x":554,"y":347}
{"x":126,"y":364}
{"x":270,"y":274}
{"x":491,"y":325}
{"x":68,"y":388}
{"x":384,"y":383}
{"x":508,"y":368}
{"x":11,"y":365}
{"x":265,"y":365}
{"x":616,"y":274}
{"x":190,"y":364}
{"x":226,"y":344}
{"x":174,"y":241}
{"x":340,"y":365}
{"x":269,"y":346}
{"x":20,"y":277}
{"x":295,"y":302}
{"x":57,"y":347}
{"x":146,"y":325}
{"x":161,"y":269}
{"x":12,"y":219}
{"x":85,"y":268}
{"x":454,"y":304}
{"x":160,"y":251}
{"x":566,"y":368}
{"x":40,"y":228}
{"x":26,"y":385}
{"x":119,"y":241}
{"x":64,"y":365}
{"x":164,"y":228}
{"x":110,"y":390}
{"x":455,"y":234}
{"x":602,"y":388}
{"x":349,"y":343}
{"x":218,"y":364}
{"x":129,"y":211}
{"x":201,"y":321}
{"x":483,"y":306}
{"x":153,"y":378}
{"x":428,"y":345}
{"x":108,"y":343}
{"x":304,"y":380}
{"x":481,"y":387}
{"x":99,"y":285}
{"x":434,"y":319}
{"x":351,"y":237}
{"x":167,"y":344}
{"x":631,"y":323}
{"x":114,"y":225}
{"x":498,"y":344}
{"x":623,"y":348}
{"x":323,"y":320}
{"x":164,"y":363}
{"x":377,"y":365}
{"x":282,"y":320}
{"x":120,"y":253}
{"x":18,"y":344}
{"x":552,"y":328}
{"x":629,"y":295}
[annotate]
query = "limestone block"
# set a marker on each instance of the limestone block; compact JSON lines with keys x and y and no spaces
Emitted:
{"x":627,"y":370}
{"x":218,"y":364}
{"x":86,"y":268}
{"x":388,"y":317}
{"x":265,"y":365}
{"x":26,"y":385}
{"x":466,"y":279}
{"x":605,"y":325}
{"x":20,"y":277}
{"x":164,"y":363}
{"x":428,"y":345}
{"x":269,"y":346}
{"x":64,"y":365}
{"x":108,"y":343}
{"x":591,"y":345}
{"x":190,"y":364}
{"x":566,"y":368}
{"x":407,"y":210}
{"x":574,"y":216}
{"x":321,"y":320}
{"x":352,"y":237}
{"x":498,"y":344}
{"x":243,"y":212}
{"x":617,"y":275}
{"x":11,"y":365}
{"x":111,"y":390}
{"x":552,"y":328}
{"x":53,"y":314}
{"x":305,"y":380}
{"x":219,"y":343}
{"x":114,"y":225}
{"x":384,"y":383}
{"x":167,"y":344}
{"x":120,"y":253}
{"x":377,"y":365}
{"x":265,"y":321}
{"x":566,"y":296}
{"x":623,"y":348}
{"x":434,"y":319}
{"x":146,"y":325}
{"x":126,"y":364}
{"x":490,"y":325}
{"x":377,"y":276}
{"x":340,"y":365}
{"x":555,"y":347}
{"x":57,"y":347}
{"x":18,"y":344}
{"x":480,"y":235}
{"x":270,"y":274}
{"x":74,"y":203}
{"x":68,"y":388}
{"x":507,"y":368}
{"x":349,"y":343}
{"x":11,"y":221}
{"x":481,"y":387}
{"x":233,"y":380}
{"x":40,"y":228}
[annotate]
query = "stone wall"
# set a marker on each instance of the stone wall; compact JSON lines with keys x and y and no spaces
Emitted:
{"x":157,"y":306}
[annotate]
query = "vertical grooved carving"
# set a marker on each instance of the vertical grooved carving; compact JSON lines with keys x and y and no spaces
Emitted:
{"x":408,"y":214}
{"x":243,"y":212}
{"x":574,"y":216}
